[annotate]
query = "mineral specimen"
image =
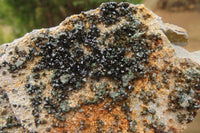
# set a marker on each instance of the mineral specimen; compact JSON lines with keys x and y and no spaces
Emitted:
{"x":112,"y":69}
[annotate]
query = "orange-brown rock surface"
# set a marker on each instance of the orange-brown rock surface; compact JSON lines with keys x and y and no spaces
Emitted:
{"x":112,"y":69}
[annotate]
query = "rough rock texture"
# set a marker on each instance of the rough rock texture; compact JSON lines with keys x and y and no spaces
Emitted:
{"x":182,"y":53}
{"x":197,"y":54}
{"x":175,"y":34}
{"x":8,"y":120}
{"x":112,"y":69}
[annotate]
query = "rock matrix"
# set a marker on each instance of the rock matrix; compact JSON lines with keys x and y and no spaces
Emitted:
{"x":112,"y":69}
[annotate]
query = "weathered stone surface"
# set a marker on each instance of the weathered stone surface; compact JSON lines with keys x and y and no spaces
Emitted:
{"x":196,"y":53}
{"x":111,"y":69}
{"x":175,"y":34}
{"x":8,"y":120}
{"x":183,"y":53}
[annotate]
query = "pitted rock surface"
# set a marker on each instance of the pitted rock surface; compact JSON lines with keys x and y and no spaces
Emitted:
{"x":112,"y":69}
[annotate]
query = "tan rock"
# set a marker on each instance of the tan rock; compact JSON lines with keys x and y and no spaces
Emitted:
{"x":8,"y":120}
{"x":175,"y":34}
{"x":112,"y":69}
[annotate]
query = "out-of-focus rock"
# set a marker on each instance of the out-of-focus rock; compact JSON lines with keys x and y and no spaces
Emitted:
{"x":173,"y":5}
{"x":112,"y":69}
{"x":179,"y":5}
{"x":175,"y":34}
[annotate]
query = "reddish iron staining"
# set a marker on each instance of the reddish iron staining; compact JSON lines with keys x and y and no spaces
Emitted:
{"x":96,"y":117}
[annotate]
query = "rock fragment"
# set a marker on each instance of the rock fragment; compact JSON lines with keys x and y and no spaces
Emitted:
{"x":112,"y":69}
{"x":176,"y":35}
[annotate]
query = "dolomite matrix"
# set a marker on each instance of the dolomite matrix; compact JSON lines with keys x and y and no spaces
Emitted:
{"x":112,"y":69}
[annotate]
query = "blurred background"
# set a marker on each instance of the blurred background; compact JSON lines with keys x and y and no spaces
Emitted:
{"x":18,"y":17}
